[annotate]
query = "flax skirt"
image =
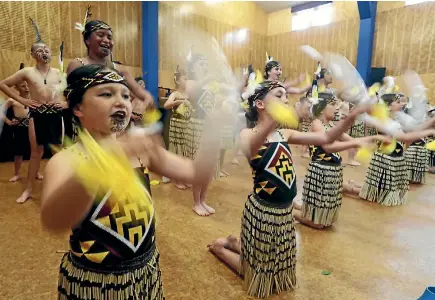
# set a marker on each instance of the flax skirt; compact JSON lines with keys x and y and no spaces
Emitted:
{"x":386,"y":181}
{"x":417,"y":163}
{"x":305,"y":125}
{"x":322,"y":193}
{"x":177,"y":135}
{"x":135,"y":283}
{"x":193,"y":139}
{"x":268,"y":242}
{"x":357,"y":130}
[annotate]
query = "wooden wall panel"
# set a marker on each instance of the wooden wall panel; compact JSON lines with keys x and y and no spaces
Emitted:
{"x":338,"y":37}
{"x":56,"y":20}
{"x":173,"y":50}
{"x":404,"y":39}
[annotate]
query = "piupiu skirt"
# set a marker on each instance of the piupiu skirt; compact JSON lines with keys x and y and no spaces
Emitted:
{"x":357,"y":130}
{"x":371,"y":130}
{"x":139,"y":279}
{"x":268,"y":248}
{"x":322,"y":193}
{"x":305,"y":125}
{"x":386,"y":181}
{"x":193,"y":140}
{"x":177,"y":135}
{"x":417,"y":163}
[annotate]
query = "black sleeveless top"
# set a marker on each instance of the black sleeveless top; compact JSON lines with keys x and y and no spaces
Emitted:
{"x":318,"y":154}
{"x":274,"y":174}
{"x":115,"y":231}
{"x":203,"y":104}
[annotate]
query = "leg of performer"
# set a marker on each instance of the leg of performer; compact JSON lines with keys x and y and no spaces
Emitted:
{"x":36,"y":152}
{"x":221,"y":248}
{"x":18,"y":159}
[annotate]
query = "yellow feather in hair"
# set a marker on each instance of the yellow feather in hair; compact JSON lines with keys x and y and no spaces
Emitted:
{"x":283,"y":114}
{"x":374,"y":89}
{"x":258,"y":77}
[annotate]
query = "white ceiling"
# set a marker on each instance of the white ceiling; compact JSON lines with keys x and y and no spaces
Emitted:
{"x":273,"y":6}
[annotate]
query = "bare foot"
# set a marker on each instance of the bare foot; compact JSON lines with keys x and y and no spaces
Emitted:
{"x":165,"y":179}
{"x":354,"y":183}
{"x":354,"y":163}
{"x":39,"y":176}
{"x":15,"y":178}
{"x":180,"y":186}
{"x":235,"y":161}
{"x":24,"y":197}
{"x":233,"y":243}
{"x":217,"y":245}
{"x":208,"y":208}
{"x":200,"y":210}
{"x":188,"y":185}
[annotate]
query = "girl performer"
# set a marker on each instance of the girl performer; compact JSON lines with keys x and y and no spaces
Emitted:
{"x":323,"y":184}
{"x":98,"y":39}
{"x":386,"y":181}
{"x":113,"y":255}
{"x":179,"y":103}
{"x":266,"y":253}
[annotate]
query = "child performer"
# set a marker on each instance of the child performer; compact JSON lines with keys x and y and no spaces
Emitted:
{"x":265,"y":255}
{"x":20,"y":128}
{"x":323,"y":184}
{"x":178,"y":101}
{"x":112,"y":256}
{"x":386,"y":181}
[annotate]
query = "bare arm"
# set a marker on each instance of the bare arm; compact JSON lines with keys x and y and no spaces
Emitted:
{"x":426,"y":125}
{"x":296,"y":90}
{"x":173,"y":101}
{"x":251,"y":141}
{"x":64,"y":200}
{"x":3,"y":110}
{"x":136,"y":88}
{"x":321,"y":138}
{"x":7,"y":84}
{"x":74,"y":64}
{"x":414,"y":135}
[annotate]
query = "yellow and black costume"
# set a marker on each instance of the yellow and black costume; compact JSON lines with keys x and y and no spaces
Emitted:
{"x":357,"y":130}
{"x":323,"y":186}
{"x":113,"y":254}
{"x":386,"y":181}
{"x":178,"y":124}
{"x":268,"y":240}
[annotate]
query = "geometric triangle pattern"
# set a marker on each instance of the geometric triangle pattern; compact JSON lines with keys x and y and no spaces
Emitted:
{"x":281,"y":166}
{"x":127,"y":221}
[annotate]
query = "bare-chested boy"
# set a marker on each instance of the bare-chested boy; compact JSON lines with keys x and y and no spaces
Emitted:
{"x":45,"y":107}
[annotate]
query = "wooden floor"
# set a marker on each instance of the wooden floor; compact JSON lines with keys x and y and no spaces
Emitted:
{"x":372,"y":252}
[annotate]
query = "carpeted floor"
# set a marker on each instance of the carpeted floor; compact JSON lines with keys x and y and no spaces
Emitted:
{"x":372,"y":252}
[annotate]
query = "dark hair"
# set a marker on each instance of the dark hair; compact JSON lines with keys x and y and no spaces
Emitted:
{"x":269,"y":66}
{"x":390,"y":98}
{"x":139,"y":78}
{"x":260,"y":93}
{"x":78,"y":75}
{"x":324,"y":100}
{"x":178,"y":74}
{"x":193,"y":60}
{"x":322,"y":73}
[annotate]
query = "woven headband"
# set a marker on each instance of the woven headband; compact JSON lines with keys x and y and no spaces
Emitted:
{"x":75,"y":90}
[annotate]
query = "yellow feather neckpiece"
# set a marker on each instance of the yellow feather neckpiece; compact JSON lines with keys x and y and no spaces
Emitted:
{"x":109,"y":170}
